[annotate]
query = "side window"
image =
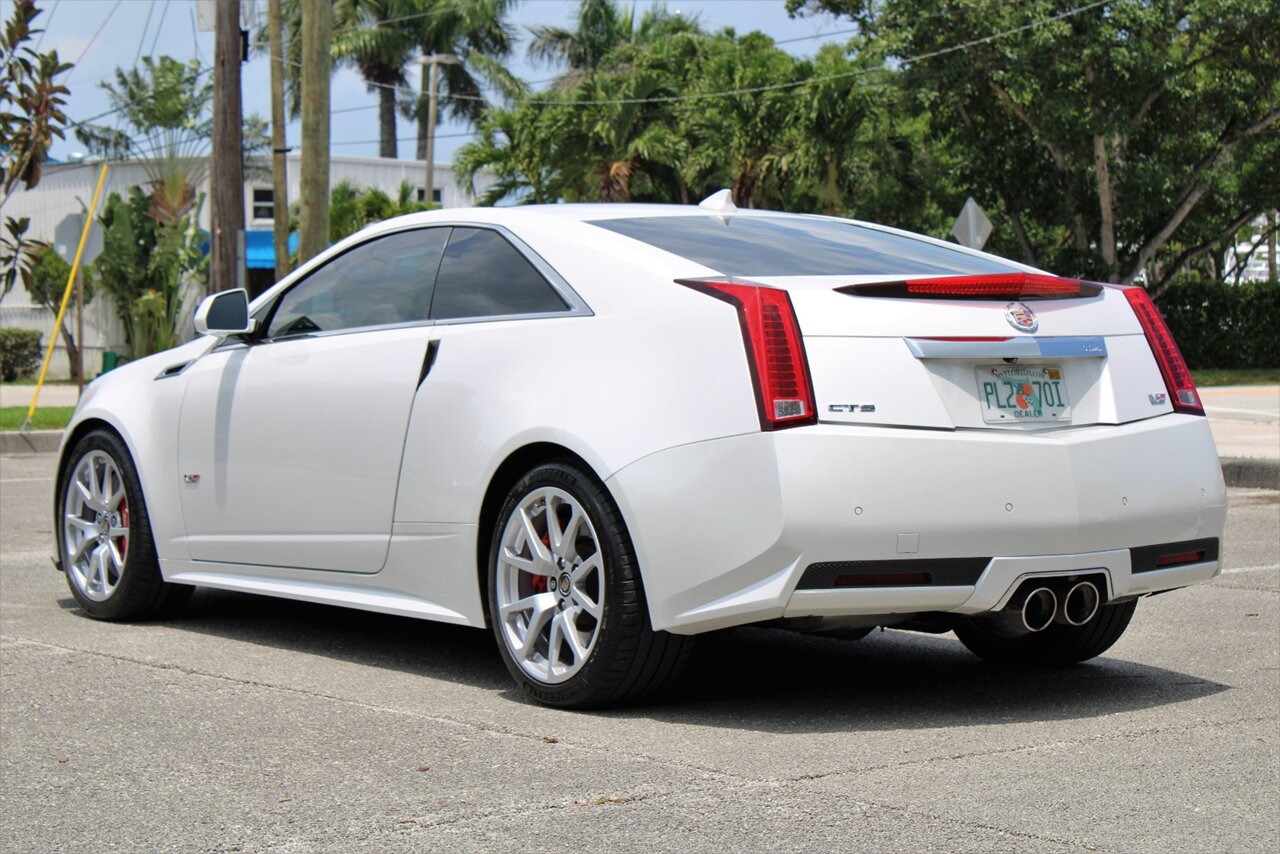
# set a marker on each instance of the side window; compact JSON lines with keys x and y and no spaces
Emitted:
{"x":482,"y":275}
{"x":386,"y":280}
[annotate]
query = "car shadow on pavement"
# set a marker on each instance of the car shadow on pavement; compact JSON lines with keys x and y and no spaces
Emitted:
{"x":747,"y":678}
{"x":779,"y":681}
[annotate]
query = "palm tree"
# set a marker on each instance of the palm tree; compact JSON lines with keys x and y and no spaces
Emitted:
{"x":377,"y":38}
{"x":602,"y":28}
{"x":477,"y":33}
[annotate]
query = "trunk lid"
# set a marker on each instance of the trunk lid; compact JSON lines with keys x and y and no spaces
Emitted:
{"x":962,"y":363}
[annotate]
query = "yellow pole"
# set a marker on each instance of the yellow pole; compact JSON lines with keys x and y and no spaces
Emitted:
{"x":66,"y":296}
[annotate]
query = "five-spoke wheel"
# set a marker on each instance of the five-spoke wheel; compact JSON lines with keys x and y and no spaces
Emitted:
{"x":95,"y":527}
{"x":550,"y":585}
{"x":565,"y":597}
{"x":105,"y":541}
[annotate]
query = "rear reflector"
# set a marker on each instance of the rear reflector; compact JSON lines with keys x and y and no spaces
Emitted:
{"x":1003,"y":286}
{"x":775,"y":351}
{"x":1173,"y":368}
{"x":1181,"y":558}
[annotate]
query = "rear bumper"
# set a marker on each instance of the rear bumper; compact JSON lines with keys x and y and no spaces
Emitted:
{"x":725,"y":529}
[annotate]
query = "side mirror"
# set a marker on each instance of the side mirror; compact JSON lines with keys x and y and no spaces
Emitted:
{"x":224,"y":314}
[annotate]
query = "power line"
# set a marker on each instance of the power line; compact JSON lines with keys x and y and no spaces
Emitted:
{"x":750,"y":90}
{"x":47,"y":22}
{"x":374,"y":141}
{"x":142,"y":38}
{"x":102,"y":27}
{"x":163,"y":11}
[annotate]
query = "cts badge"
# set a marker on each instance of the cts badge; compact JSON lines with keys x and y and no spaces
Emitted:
{"x":1021,"y":318}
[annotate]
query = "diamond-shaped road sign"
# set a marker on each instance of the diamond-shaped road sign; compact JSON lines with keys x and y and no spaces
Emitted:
{"x":972,"y":227}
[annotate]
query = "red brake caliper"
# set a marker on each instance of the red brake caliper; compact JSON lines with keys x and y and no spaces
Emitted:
{"x":539,"y":582}
{"x":124,"y":523}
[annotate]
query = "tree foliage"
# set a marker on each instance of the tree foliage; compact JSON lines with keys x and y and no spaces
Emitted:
{"x":49,"y":276}
{"x":31,"y":102}
{"x":1113,"y":140}
{"x":144,"y":265}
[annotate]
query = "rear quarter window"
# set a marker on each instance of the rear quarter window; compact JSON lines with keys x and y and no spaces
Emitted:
{"x":797,"y":246}
{"x":482,"y":275}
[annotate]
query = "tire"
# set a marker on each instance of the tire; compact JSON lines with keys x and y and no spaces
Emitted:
{"x":1056,"y":646}
{"x":104,"y":535}
{"x":566,"y":602}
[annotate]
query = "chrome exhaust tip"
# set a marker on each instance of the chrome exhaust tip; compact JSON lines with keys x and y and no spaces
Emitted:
{"x":1039,"y":609}
{"x":1081,"y":604}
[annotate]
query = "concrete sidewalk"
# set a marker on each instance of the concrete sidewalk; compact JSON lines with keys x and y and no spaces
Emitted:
{"x":1245,"y":421}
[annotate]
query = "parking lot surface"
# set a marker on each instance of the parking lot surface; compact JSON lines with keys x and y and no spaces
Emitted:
{"x":253,"y":724}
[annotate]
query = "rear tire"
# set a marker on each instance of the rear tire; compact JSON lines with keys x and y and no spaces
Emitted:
{"x":566,"y":601}
{"x":1056,"y":646}
{"x":104,"y":535}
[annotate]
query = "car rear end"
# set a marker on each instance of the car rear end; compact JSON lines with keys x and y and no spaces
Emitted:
{"x":942,"y":433}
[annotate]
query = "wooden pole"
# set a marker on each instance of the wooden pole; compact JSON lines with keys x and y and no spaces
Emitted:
{"x":279,"y":165}
{"x":317,"y":29}
{"x":227,"y":174}
{"x":434,"y":60}
{"x":432,"y":107}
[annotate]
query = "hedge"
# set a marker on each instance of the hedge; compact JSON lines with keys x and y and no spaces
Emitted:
{"x":19,"y":353}
{"x":1221,"y":325}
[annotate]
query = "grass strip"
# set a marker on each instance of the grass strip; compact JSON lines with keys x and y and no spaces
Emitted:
{"x":46,"y":417}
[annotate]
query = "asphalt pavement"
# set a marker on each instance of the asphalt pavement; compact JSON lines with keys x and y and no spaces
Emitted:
{"x":254,"y":724}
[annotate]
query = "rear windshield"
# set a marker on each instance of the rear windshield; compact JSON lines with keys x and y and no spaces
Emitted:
{"x":796,"y":246}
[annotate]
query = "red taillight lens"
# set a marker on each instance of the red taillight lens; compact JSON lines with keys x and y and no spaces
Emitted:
{"x":1177,"y":377}
{"x":993,"y":286}
{"x":775,"y":350}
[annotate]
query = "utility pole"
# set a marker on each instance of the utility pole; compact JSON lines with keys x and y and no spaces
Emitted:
{"x":434,"y":61}
{"x":317,"y":29}
{"x":226,"y":177}
{"x":279,"y":165}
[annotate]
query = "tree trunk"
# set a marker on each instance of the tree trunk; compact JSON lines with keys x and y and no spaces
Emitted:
{"x":226,"y":177}
{"x":73,"y":352}
{"x":1106,"y":204}
{"x":387,"y":122}
{"x":317,"y":30}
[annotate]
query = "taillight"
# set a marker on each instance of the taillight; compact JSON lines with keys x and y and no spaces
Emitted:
{"x":1021,"y":286}
{"x":775,"y":350}
{"x":1177,"y":376}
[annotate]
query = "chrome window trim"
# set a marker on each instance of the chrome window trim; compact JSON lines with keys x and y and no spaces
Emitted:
{"x":576,"y":306}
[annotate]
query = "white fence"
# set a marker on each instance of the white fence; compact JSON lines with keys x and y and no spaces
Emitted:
{"x":102,"y":332}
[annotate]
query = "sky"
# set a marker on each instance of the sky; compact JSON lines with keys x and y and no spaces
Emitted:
{"x":101,"y":35}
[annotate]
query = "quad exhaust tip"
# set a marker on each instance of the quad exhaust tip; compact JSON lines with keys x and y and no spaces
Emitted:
{"x":1039,"y":609}
{"x":1041,"y":606}
{"x":1080,"y":604}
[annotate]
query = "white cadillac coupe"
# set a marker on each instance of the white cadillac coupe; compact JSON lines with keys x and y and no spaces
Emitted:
{"x":602,"y":430}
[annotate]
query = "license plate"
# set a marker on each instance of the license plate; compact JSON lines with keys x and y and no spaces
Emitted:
{"x":1009,"y":393}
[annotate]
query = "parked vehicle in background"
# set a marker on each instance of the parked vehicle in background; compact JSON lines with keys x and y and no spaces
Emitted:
{"x":603,"y":430}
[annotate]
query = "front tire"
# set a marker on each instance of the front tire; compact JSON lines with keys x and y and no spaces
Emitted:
{"x":1056,"y":646}
{"x":565,"y":598}
{"x":104,"y":535}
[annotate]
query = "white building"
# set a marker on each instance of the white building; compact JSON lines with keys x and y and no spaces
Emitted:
{"x":57,"y":203}
{"x":1251,"y":260}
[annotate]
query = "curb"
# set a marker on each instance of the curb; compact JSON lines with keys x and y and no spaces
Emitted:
{"x":30,"y":442}
{"x":1256,"y":473}
{"x":1237,"y":471}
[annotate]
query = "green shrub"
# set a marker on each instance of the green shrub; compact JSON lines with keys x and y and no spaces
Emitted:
{"x":1221,"y":325}
{"x":19,"y":353}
